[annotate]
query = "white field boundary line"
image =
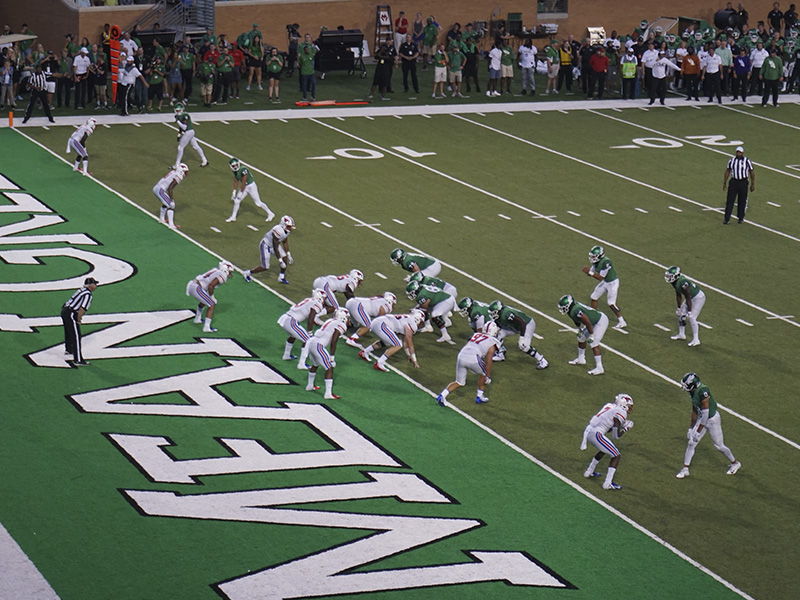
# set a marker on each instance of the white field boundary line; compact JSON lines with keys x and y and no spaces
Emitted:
{"x":418,"y":385}
{"x":551,"y":219}
{"x":619,"y":175}
{"x":688,"y":142}
{"x":488,"y":286}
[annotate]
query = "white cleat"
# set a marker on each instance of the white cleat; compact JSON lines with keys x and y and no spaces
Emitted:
{"x":684,"y":472}
{"x":302,"y":366}
{"x":678,"y":336}
{"x":734,"y":467}
{"x":578,"y":361}
{"x":596,"y":371}
{"x":427,"y":329}
{"x":621,"y":324}
{"x":230,"y":220}
{"x":445,"y":338}
{"x":270,"y":216}
{"x":352,"y":342}
{"x":694,"y":343}
{"x":543,"y":364}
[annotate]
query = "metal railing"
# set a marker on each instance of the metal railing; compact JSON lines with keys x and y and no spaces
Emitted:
{"x":176,"y":15}
{"x":552,"y":6}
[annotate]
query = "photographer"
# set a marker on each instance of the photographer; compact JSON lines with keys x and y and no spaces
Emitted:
{"x":293,"y":33}
{"x":206,"y":72}
{"x":155,"y":74}
{"x":386,"y":60}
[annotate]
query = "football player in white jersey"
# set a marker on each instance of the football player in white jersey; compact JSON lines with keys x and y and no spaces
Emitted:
{"x":395,"y":332}
{"x":164,"y":191}
{"x":363,"y":310}
{"x":342,"y":284}
{"x":475,"y":357}
{"x":202,"y":287}
{"x":77,"y":142}
{"x":319,"y":355}
{"x":612,"y":417}
{"x":275,"y":243}
{"x":292,"y":321}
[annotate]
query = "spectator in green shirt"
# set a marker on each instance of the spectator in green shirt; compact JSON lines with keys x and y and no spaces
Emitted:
{"x":225,"y":68}
{"x":274,"y":70}
{"x":156,"y":80}
{"x":430,"y":36}
{"x":308,"y":79}
{"x":771,"y":73}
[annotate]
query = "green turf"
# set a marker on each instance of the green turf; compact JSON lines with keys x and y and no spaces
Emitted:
{"x":716,"y":519}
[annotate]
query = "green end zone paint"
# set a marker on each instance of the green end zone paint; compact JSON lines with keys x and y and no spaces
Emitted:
{"x":190,"y":465}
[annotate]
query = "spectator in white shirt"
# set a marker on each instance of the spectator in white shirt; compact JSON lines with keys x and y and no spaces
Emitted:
{"x":127,"y":44}
{"x":80,"y":75}
{"x":649,"y":58}
{"x":527,"y":62}
{"x":757,"y":58}
{"x":659,"y":87}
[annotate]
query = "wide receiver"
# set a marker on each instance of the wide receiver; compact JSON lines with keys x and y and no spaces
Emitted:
{"x":202,"y":288}
{"x":186,"y":135}
{"x":612,"y":417}
{"x":244,"y":185}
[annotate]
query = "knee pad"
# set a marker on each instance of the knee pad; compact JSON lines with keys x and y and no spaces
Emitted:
{"x":438,"y":321}
{"x":682,"y":321}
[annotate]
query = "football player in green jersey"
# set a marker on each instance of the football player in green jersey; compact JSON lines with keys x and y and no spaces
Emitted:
{"x":244,"y":185}
{"x":514,"y":321}
{"x":434,"y":302}
{"x":186,"y":135}
{"x":430,"y":267}
{"x":420,"y":278}
{"x":690,"y":299}
{"x":592,"y":325}
{"x":705,"y":417}
{"x":603,"y":270}
{"x":475,"y":311}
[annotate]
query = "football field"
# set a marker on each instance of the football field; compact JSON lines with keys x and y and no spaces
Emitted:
{"x":190,"y":465}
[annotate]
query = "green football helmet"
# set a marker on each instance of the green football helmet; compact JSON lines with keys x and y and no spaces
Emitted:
{"x":596,"y":254}
{"x":690,"y":381}
{"x":417,"y":276}
{"x":565,"y":303}
{"x":412,"y":289}
{"x":671,"y":275}
{"x":178,"y":108}
{"x":464,"y":306}
{"x":234,"y":164}
{"x":397,"y":256}
{"x":494,"y":309}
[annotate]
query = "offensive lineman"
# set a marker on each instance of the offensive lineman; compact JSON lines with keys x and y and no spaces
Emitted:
{"x":244,"y":185}
{"x":690,"y":299}
{"x":363,"y":310}
{"x":77,"y":142}
{"x":343,"y":284}
{"x":705,"y":417}
{"x":430,"y":267}
{"x":435,"y":302}
{"x":422,"y":279}
{"x":276,"y":243}
{"x":603,"y":270}
{"x":592,"y":325}
{"x":291,"y":321}
{"x":475,"y":357}
{"x":513,"y":321}
{"x":475,"y":311}
{"x":164,"y":190}
{"x":202,"y":287}
{"x":186,"y":135}
{"x":387,"y":329}
{"x":325,"y":336}
{"x":612,"y":417}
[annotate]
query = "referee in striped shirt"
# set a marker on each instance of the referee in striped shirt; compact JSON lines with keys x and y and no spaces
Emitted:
{"x":739,"y":170}
{"x":71,"y":315}
{"x":38,"y":86}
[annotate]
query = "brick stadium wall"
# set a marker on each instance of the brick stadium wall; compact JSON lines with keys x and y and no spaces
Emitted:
{"x":51,"y":19}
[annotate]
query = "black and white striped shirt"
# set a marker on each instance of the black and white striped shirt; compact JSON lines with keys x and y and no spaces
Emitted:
{"x":740,"y":167}
{"x":37,"y":81}
{"x":80,"y":299}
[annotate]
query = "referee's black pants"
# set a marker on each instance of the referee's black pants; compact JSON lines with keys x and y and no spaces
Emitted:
{"x":40,"y":95}
{"x":770,"y":88}
{"x":737,"y":191}
{"x":72,"y":333}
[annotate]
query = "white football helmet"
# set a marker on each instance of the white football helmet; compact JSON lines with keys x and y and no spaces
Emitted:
{"x":491,"y":329}
{"x":183,"y":168}
{"x":91,"y":123}
{"x":624,"y":401}
{"x":418,"y":315}
{"x":225,"y":267}
{"x":357,"y":276}
{"x":342,"y":314}
{"x":287,"y":222}
{"x":390,"y":297}
{"x":318,"y":294}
